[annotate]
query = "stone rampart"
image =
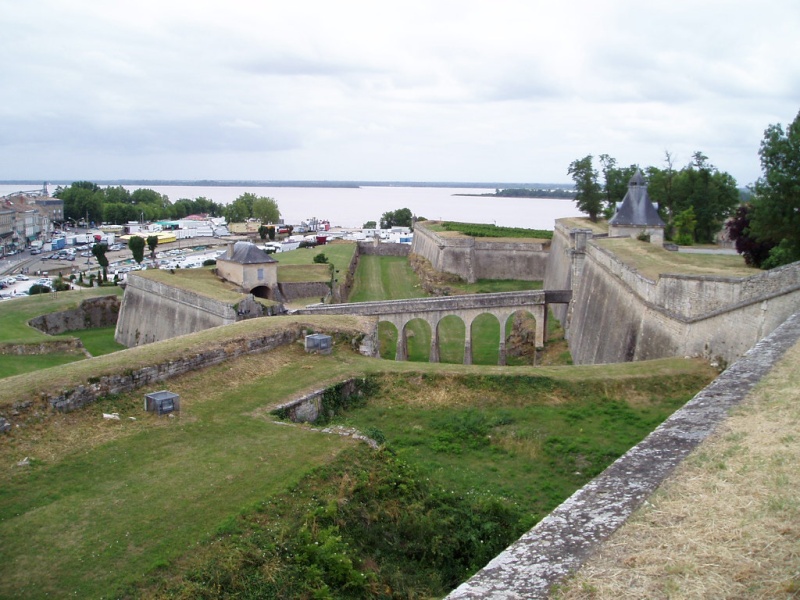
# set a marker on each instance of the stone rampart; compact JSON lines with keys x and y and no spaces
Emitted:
{"x":152,"y":311}
{"x":619,"y":315}
{"x":478,"y":258}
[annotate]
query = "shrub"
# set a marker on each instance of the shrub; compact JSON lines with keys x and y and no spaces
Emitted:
{"x":321,"y":258}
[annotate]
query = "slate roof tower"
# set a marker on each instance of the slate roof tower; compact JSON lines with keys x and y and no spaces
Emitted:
{"x":636,"y":214}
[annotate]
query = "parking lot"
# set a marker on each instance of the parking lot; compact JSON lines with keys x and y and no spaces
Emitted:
{"x":48,"y":265}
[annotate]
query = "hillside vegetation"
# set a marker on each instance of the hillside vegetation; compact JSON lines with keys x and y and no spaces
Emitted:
{"x":105,"y":505}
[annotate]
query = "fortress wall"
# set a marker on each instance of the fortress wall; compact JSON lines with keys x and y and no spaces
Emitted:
{"x":618,"y":315}
{"x":559,"y":267}
{"x":692,"y":296}
{"x":152,"y":311}
{"x":510,"y":260}
{"x":473,"y":259}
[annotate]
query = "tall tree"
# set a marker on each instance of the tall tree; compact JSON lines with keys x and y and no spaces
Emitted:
{"x":588,"y":197}
{"x":99,"y":251}
{"x":755,"y":252}
{"x":660,"y":189}
{"x":402,"y":217}
{"x":266,"y":210}
{"x":776,"y":202}
{"x":152,"y":243}
{"x":136,"y":246}
{"x":712,"y":194}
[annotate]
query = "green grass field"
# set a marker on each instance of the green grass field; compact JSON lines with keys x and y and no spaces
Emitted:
{"x":14,"y":329}
{"x":107,"y":504}
{"x":15,"y":314}
{"x":98,"y":341}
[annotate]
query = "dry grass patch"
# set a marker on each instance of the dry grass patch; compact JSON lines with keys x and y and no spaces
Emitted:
{"x":199,"y":281}
{"x":727,"y":523}
{"x":585,"y":223}
{"x":304,"y":273}
{"x":652,"y":261}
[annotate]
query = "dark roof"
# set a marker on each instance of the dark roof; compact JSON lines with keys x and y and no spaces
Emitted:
{"x":247,"y":253}
{"x":636,"y":207}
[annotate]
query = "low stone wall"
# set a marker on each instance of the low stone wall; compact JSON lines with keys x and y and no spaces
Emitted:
{"x":73,"y":346}
{"x":560,"y":543}
{"x":310,"y":407}
{"x":89,"y":392}
{"x":91,"y":313}
{"x":477,"y":258}
{"x":293,"y":291}
{"x":383,"y":249}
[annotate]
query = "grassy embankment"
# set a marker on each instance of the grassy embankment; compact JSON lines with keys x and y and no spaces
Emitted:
{"x":208,"y":501}
{"x":14,"y":329}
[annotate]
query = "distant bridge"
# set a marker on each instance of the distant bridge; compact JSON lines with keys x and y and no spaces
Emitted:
{"x":467,"y":307}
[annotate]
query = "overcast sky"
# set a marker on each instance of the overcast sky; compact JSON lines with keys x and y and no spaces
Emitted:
{"x":430,"y":90}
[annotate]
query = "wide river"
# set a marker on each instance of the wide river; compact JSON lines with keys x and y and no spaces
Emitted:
{"x":352,"y":207}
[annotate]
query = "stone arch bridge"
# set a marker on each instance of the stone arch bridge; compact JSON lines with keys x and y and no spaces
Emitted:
{"x":467,"y":307}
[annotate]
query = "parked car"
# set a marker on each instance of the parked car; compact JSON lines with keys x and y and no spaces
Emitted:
{"x":36,"y":250}
{"x":22,"y":277}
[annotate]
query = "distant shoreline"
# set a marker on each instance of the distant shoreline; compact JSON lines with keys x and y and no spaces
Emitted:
{"x":293,"y":183}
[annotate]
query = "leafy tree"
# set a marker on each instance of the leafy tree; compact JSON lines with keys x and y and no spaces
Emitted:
{"x":615,"y":182}
{"x":588,"y":197}
{"x":117,"y":195}
{"x":136,"y":245}
{"x":685,"y":223}
{"x":99,"y":252}
{"x":369,"y":225}
{"x":711,"y":193}
{"x":266,"y":210}
{"x":660,"y":190}
{"x":402,"y":217}
{"x":271,"y":232}
{"x":263,"y":232}
{"x":754,"y":252}
{"x":152,"y":243}
{"x":239,"y":210}
{"x":82,"y":199}
{"x":321,"y":258}
{"x":776,"y":203}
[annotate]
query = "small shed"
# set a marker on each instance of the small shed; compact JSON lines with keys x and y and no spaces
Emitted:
{"x":162,"y":402}
{"x":319,"y":342}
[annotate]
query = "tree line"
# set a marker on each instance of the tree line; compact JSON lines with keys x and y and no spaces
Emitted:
{"x":693,"y":201}
{"x":698,"y":201}
{"x":117,"y":205}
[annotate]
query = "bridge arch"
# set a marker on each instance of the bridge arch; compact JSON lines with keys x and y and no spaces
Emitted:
{"x":466,"y":307}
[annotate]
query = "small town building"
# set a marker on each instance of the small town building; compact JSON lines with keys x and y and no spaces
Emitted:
{"x":636,"y":215}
